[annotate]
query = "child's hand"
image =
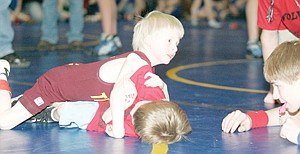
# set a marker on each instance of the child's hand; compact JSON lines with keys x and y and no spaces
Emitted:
{"x":153,"y":81}
{"x":234,"y":120}
{"x":109,"y":131}
{"x":290,"y":130}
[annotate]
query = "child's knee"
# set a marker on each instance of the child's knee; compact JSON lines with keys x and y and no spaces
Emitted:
{"x":5,"y":125}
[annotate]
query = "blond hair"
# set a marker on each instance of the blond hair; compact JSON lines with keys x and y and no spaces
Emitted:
{"x":154,"y":24}
{"x":161,"y":122}
{"x":284,"y":63}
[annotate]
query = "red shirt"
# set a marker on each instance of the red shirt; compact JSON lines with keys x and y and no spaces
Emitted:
{"x":286,"y":15}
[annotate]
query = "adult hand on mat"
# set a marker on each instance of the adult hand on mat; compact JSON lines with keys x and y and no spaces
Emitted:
{"x":290,"y":130}
{"x":236,"y":120}
{"x":153,"y":81}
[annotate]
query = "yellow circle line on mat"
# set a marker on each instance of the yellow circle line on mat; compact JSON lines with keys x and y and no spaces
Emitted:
{"x":172,"y":74}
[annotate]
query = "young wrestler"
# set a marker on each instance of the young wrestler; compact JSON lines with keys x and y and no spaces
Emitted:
{"x":279,"y":21}
{"x":146,"y":117}
{"x":155,"y":41}
{"x":282,"y":71}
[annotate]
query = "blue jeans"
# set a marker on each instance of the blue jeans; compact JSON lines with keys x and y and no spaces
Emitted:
{"x":6,"y":30}
{"x":49,"y":23}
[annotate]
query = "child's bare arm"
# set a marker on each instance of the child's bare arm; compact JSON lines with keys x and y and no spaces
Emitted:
{"x":14,"y":116}
{"x":275,"y":119}
{"x":123,"y":93}
{"x":240,"y":121}
{"x":156,"y":81}
{"x":291,"y":129}
{"x":153,"y":80}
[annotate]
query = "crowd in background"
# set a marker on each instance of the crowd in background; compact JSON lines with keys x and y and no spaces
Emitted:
{"x":108,"y":12}
{"x":30,"y":11}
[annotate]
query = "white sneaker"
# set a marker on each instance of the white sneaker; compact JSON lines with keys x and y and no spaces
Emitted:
{"x":4,"y":67}
{"x":194,"y":22}
{"x":106,"y":47}
{"x":253,"y":50}
{"x":117,"y":41}
{"x":214,"y":24}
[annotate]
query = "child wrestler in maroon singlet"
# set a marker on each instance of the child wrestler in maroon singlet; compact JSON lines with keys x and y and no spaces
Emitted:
{"x":126,"y":82}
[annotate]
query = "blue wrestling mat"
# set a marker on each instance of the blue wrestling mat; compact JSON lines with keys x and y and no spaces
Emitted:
{"x":208,"y":78}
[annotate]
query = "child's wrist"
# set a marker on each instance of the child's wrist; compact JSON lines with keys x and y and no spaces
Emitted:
{"x":258,"y":118}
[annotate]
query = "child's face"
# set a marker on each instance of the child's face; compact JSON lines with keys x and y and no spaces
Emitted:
{"x":288,"y":93}
{"x":164,"y":46}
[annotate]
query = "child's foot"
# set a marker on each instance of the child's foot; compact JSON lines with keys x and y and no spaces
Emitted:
{"x":4,"y":67}
{"x":269,"y":99}
{"x":43,"y":117}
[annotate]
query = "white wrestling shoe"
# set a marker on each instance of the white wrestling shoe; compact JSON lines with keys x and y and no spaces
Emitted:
{"x":4,"y":67}
{"x":15,"y":100}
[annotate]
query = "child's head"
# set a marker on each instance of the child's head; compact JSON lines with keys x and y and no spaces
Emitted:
{"x":161,"y":122}
{"x":153,"y":24}
{"x":284,"y":63}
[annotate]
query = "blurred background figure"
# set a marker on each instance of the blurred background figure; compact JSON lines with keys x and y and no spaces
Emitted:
{"x":110,"y":42}
{"x":125,"y":9}
{"x":29,"y":11}
{"x":253,"y":44}
{"x":34,"y":9}
{"x":6,"y":37}
{"x":170,"y":7}
{"x":52,"y":11}
{"x":204,"y":9}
